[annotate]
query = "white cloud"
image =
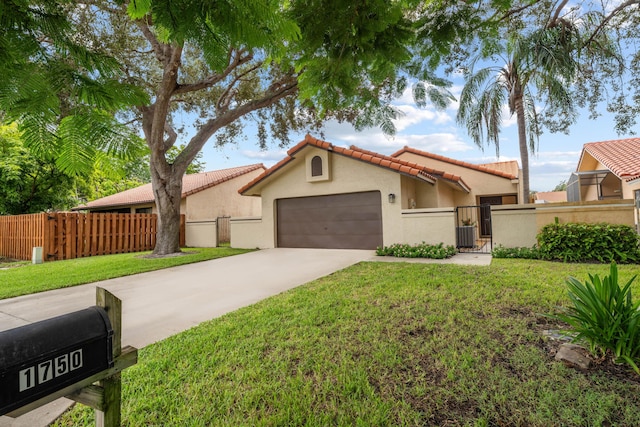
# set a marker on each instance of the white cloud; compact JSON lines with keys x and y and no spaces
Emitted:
{"x":271,"y":155}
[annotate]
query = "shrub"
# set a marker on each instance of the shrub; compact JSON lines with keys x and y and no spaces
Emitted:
{"x":524,"y":253}
{"x":605,"y":316}
{"x":423,"y":250}
{"x":579,"y":242}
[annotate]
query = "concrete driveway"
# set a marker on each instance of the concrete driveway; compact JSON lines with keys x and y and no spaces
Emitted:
{"x":162,"y":303}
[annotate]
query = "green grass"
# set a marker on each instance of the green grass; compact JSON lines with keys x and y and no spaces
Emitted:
{"x":381,"y":344}
{"x":32,"y":278}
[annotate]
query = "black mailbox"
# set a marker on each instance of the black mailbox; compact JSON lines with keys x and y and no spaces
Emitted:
{"x":43,"y":357}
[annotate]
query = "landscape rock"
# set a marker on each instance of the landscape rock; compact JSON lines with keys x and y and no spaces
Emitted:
{"x":574,"y":356}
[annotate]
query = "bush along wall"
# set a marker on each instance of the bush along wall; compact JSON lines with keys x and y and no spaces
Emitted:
{"x":581,"y":242}
{"x":423,"y":250}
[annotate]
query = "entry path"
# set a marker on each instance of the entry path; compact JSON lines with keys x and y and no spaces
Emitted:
{"x":158,"y":304}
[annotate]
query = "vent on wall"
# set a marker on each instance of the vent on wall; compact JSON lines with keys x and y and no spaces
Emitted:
{"x":317,"y":166}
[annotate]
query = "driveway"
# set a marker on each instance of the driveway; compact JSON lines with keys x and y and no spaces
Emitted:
{"x":162,"y":303}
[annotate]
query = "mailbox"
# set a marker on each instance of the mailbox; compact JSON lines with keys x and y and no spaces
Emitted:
{"x":44,"y":357}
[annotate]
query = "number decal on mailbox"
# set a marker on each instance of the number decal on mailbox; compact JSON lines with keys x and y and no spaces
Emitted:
{"x":48,"y":369}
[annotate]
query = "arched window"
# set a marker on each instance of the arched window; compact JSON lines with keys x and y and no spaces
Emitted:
{"x":316,"y":166}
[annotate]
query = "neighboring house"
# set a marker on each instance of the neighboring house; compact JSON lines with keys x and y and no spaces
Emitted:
{"x":550,"y":197}
{"x":205,"y":197}
{"x":326,"y":196}
{"x":607,"y":170}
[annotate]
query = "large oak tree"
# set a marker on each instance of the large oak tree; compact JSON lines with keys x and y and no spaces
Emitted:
{"x":284,"y":67}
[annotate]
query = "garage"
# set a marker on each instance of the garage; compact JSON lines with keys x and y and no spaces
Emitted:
{"x":337,"y":221}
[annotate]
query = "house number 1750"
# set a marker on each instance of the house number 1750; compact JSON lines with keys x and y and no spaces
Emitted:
{"x":50,"y":369}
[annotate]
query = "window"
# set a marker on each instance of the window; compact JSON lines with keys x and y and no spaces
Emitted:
{"x":316,"y":166}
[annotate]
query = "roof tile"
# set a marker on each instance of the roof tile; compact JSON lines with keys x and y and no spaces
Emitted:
{"x":191,"y":184}
{"x":482,"y":168}
{"x":400,"y":165}
{"x":621,"y":156}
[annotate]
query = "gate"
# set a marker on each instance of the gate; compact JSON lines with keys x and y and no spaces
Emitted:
{"x":223,"y":230}
{"x":473,"y":229}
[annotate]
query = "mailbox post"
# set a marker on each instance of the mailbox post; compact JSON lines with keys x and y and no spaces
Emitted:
{"x":77,"y":355}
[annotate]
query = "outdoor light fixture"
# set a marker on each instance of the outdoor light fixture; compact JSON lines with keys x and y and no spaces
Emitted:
{"x":392,"y":198}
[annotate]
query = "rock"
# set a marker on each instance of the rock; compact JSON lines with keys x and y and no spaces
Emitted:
{"x":574,"y":355}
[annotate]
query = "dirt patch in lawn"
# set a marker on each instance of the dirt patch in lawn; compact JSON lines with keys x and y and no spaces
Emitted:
{"x":543,"y":325}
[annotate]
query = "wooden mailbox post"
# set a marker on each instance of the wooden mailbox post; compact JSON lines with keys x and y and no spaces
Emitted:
{"x":85,"y":368}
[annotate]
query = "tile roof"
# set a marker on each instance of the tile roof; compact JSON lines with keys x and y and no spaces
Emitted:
{"x":551,"y":196}
{"x":502,"y":169}
{"x":191,"y":184}
{"x":621,"y":156}
{"x":401,"y":166}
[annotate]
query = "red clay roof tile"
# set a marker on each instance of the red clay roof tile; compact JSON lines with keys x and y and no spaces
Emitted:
{"x":402,"y":166}
{"x":621,"y":156}
{"x":481,"y":168}
{"x":191,"y":184}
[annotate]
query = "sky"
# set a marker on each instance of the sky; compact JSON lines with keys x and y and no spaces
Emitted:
{"x":437,"y":132}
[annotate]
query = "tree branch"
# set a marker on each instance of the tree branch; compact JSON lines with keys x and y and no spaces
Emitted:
{"x":157,"y":47}
{"x":239,"y":59}
{"x":285,"y":87}
{"x":556,"y":15}
{"x":224,"y":100}
{"x":609,"y":17}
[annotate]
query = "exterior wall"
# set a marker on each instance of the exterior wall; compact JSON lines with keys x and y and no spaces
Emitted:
{"x":201,"y":234}
{"x":517,"y":226}
{"x":514,"y":226}
{"x":481,"y":183}
{"x":611,"y":211}
{"x":431,"y":226}
{"x":250,"y":233}
{"x":346,"y":176}
{"x":222,"y":200}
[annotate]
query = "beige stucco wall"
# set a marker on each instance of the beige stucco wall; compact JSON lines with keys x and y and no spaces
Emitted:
{"x":611,"y":211}
{"x":431,"y":226}
{"x":514,"y":225}
{"x":223,"y":200}
{"x":518,"y":226}
{"x":201,"y":234}
{"x":481,"y":183}
{"x":250,"y":233}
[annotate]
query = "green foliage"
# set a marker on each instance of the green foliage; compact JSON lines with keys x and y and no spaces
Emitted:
{"x":422,"y":250}
{"x":604,"y":315}
{"x":29,"y":183}
{"x":582,"y":242}
{"x":61,"y":92}
{"x":523,"y":253}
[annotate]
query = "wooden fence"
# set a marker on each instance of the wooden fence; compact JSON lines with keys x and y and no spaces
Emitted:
{"x":75,"y":235}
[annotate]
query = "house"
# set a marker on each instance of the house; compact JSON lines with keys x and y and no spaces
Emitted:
{"x":607,"y":170}
{"x":205,"y":197}
{"x":326,"y":196}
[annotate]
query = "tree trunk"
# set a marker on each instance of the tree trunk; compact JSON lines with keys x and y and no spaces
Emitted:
{"x":167,"y":189}
{"x":522,"y":141}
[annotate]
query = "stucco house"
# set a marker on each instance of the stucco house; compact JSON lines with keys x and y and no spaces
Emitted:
{"x":607,"y":170}
{"x":326,"y":196}
{"x":205,"y":197}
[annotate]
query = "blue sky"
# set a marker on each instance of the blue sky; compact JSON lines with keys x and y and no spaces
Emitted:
{"x":437,"y":132}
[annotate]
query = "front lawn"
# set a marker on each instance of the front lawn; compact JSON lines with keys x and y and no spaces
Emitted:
{"x":23,"y":278}
{"x":383,"y":344}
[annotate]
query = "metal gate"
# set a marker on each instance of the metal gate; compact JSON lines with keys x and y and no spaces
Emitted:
{"x":473,"y":229}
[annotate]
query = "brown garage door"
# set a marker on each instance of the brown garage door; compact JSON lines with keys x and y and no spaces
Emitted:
{"x":339,"y":221}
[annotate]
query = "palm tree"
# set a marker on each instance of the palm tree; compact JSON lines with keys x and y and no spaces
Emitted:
{"x":539,"y":66}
